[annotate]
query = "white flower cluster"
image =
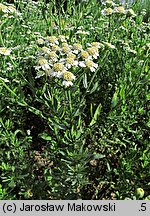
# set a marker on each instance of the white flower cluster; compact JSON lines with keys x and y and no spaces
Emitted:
{"x":10,"y":9}
{"x":113,"y":8}
{"x":57,"y":58}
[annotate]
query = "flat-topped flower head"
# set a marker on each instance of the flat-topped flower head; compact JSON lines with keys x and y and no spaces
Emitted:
{"x":120,"y":10}
{"x":40,"y":41}
{"x":53,"y":56}
{"x":5,"y":51}
{"x":43,"y":63}
{"x":52,"y":40}
{"x":65,"y":50}
{"x":58,"y":67}
{"x":8,"y":9}
{"x":55,"y":47}
{"x":71,"y":62}
{"x":77,"y":48}
{"x":91,"y":65}
{"x":62,"y":38}
{"x":71,"y":55}
{"x":93,"y":51}
{"x":68,"y":76}
{"x":45,"y":50}
{"x":64,"y":44}
{"x":3,"y":8}
{"x":84,"y":55}
{"x":107,"y":11}
{"x":95,"y":44}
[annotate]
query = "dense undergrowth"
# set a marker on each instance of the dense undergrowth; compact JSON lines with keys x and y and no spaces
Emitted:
{"x":74,"y":115}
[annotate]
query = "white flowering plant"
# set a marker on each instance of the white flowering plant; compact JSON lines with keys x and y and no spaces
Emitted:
{"x":57,"y":58}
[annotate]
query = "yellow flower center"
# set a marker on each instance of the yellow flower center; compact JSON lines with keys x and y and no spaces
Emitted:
{"x":51,"y":39}
{"x":45,"y":49}
{"x":84,"y":54}
{"x":95,"y":44}
{"x":66,"y":49}
{"x":89,"y":63}
{"x":68,"y":76}
{"x":64,"y":44}
{"x":77,"y":46}
{"x":71,"y":55}
{"x":4,"y":51}
{"x":70,"y":60}
{"x":55,"y":47}
{"x":109,"y":10}
{"x":92,"y":50}
{"x":3,"y":7}
{"x":120,"y":9}
{"x":52,"y":55}
{"x":58,"y":67}
{"x":42,"y":61}
{"x":40,"y":41}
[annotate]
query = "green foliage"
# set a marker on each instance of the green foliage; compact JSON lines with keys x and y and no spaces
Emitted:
{"x":89,"y":140}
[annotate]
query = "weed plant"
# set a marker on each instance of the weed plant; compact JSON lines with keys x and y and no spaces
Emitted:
{"x":74,"y":101}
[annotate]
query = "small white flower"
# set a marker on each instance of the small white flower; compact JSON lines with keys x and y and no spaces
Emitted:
{"x":120,"y":10}
{"x":67,"y":83}
{"x":65,"y":50}
{"x":45,"y":50}
{"x":40,"y":41}
{"x":53,"y":56}
{"x":82,"y":64}
{"x":84,"y":55}
{"x":95,"y":44}
{"x":68,"y":76}
{"x":58,"y":70}
{"x":52,"y":40}
{"x":62,"y":38}
{"x":109,"y":2}
{"x":77,"y":48}
{"x":69,"y":62}
{"x":107,"y":11}
{"x":55,"y":48}
{"x":43,"y":63}
{"x":5,"y":51}
{"x":91,"y":65}
{"x":3,"y":8}
{"x":82,"y":32}
{"x":93,"y":51}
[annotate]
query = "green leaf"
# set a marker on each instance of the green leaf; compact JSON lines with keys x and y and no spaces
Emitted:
{"x":57,"y":125}
{"x":96,"y":115}
{"x":98,"y":156}
{"x":114,"y":99}
{"x":44,"y":136}
{"x":85,"y":80}
{"x":94,"y":87}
